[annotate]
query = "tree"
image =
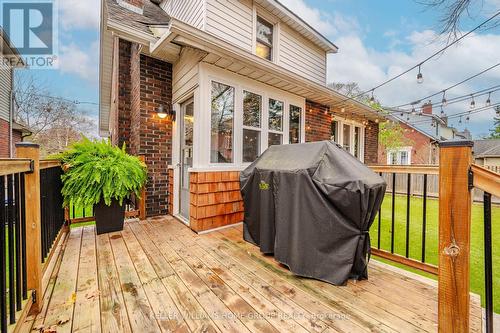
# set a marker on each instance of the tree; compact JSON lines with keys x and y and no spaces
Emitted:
{"x":453,"y":13}
{"x":55,"y":123}
{"x":391,"y":136}
{"x":495,"y":132}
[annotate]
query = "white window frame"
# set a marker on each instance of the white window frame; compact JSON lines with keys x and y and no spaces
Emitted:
{"x":340,"y":135}
{"x":209,"y":73}
{"x":257,"y":129}
{"x":398,"y":152}
{"x":259,"y":12}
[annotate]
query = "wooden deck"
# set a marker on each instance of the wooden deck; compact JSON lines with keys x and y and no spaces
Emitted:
{"x":158,"y":276}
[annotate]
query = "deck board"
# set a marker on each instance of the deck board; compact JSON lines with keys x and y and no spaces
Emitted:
{"x":159,"y":276}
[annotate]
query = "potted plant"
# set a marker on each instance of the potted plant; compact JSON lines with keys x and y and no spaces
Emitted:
{"x":102,"y":175}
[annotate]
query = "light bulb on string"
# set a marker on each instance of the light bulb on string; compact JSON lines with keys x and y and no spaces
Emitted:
{"x":488,"y":101}
{"x":460,"y":121}
{"x":442,"y":112}
{"x":472,"y":102}
{"x":413,"y":112}
{"x":372,"y":99}
{"x":444,"y":101}
{"x":402,"y":114}
{"x":342,"y":110}
{"x":420,"y":77}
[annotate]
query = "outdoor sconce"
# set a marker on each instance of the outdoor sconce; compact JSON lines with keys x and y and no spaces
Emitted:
{"x":170,"y":114}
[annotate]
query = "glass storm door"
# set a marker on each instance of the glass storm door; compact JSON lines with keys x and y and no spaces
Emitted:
{"x":186,"y":156}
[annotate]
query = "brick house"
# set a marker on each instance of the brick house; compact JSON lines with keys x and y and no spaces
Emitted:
{"x":202,"y":87}
{"x":10,"y":131}
{"x":421,"y":134}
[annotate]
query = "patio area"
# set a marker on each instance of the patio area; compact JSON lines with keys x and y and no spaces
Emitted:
{"x":158,"y":276}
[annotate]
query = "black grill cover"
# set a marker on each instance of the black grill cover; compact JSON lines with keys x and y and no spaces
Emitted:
{"x":311,"y":205}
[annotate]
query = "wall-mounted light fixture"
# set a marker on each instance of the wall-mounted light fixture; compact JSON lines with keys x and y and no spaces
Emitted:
{"x":169,"y":114}
{"x":161,"y":112}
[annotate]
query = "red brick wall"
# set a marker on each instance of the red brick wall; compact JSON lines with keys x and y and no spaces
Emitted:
{"x":423,"y":150}
{"x":156,"y":133}
{"x":17,"y":136}
{"x":124,"y":91}
{"x":144,"y":84}
{"x":318,"y":122}
{"x":4,"y":139}
{"x":318,"y":128}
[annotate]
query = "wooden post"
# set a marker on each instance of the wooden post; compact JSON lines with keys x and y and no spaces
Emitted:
{"x":33,"y":222}
{"x":142,"y":200}
{"x":455,"y":160}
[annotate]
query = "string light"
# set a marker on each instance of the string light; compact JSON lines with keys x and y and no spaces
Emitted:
{"x":413,"y":112}
{"x":420,"y":77}
{"x":488,"y":101}
{"x":442,"y":112}
{"x":372,"y":99}
{"x":460,"y":121}
{"x":472,"y":102}
{"x":342,"y":110}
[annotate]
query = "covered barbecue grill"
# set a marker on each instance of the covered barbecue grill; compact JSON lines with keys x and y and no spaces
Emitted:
{"x":311,"y":205}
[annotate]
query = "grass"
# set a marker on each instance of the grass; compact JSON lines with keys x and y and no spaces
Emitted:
{"x":78,"y":212}
{"x":431,"y":252}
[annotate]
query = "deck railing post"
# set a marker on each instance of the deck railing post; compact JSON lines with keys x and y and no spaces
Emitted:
{"x":454,"y":236}
{"x":142,"y":201}
{"x":33,"y":222}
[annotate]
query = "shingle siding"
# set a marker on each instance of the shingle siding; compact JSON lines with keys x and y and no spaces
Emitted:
{"x":5,"y":91}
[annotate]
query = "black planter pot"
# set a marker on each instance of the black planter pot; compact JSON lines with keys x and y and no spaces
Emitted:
{"x":109,"y":218}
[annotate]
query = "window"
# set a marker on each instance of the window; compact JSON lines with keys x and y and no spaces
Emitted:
{"x":357,"y":141}
{"x":252,"y":115}
{"x":346,"y":139}
{"x":349,"y":135}
{"x":400,"y":156}
{"x":275,"y":122}
{"x":222,"y":121}
{"x":335,"y":131}
{"x":403,"y":157}
{"x":264,"y":39}
{"x":294,"y":128}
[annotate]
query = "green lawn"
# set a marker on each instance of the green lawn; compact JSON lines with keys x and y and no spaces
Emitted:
{"x":477,"y":242}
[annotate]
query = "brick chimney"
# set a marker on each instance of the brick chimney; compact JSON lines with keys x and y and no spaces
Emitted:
{"x":427,"y":108}
{"x":136,"y":6}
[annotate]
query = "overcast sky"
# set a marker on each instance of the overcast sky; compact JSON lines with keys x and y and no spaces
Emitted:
{"x":376,"y":40}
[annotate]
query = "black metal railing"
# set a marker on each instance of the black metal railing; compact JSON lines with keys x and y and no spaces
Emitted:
{"x":488,"y":265}
{"x":407,"y":189}
{"x":13,"y":277}
{"x":52,"y":210}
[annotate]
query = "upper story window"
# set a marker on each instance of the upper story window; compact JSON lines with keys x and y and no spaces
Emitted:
{"x":401,"y":156}
{"x":264,"y":39}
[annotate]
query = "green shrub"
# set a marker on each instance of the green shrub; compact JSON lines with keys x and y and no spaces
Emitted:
{"x":97,"y":170}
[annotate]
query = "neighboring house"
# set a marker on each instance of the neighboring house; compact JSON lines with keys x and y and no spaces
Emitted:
{"x":10,"y":131}
{"x":202,"y":87}
{"x":422,"y":134}
{"x":487,"y":153}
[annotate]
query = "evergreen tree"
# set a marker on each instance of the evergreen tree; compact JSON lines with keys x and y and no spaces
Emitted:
{"x":495,"y":132}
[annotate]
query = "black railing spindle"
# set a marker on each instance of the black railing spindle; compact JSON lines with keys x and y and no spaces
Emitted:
{"x":3,"y":271}
{"x":393,"y":210}
{"x":17,"y":224}
{"x":408,"y":204}
{"x":424,"y":217}
{"x":10,"y":241}
{"x":379,"y":222}
{"x":23,"y":239}
{"x":488,"y":268}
